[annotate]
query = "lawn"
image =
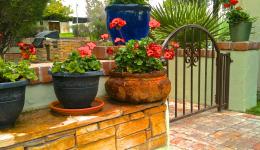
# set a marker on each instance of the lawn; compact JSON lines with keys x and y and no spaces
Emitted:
{"x":66,"y":35}
{"x":255,"y":110}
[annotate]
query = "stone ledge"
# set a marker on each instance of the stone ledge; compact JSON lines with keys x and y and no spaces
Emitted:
{"x":41,"y":70}
{"x":42,"y":126}
{"x":238,"y":46}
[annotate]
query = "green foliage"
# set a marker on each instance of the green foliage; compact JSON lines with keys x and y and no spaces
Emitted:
{"x":142,"y":2}
{"x":255,"y":110}
{"x":238,"y":15}
{"x":77,"y":64}
{"x":56,"y":11}
{"x":174,"y":14}
{"x":11,"y":72}
{"x":129,"y":59}
{"x":17,"y":19}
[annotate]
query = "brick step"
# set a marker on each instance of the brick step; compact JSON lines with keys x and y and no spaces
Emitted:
{"x":41,"y":70}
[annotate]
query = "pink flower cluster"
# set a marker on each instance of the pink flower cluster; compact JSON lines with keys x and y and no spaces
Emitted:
{"x":86,"y":51}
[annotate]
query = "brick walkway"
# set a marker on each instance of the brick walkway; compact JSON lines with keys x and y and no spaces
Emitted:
{"x":216,"y":131}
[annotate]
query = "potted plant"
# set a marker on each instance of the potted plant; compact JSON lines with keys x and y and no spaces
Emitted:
{"x":13,"y":80}
{"x":240,"y":22}
{"x":140,"y":76}
{"x":76,"y":79}
{"x":135,"y":12}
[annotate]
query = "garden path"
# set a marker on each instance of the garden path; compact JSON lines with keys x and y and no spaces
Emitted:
{"x":216,"y":131}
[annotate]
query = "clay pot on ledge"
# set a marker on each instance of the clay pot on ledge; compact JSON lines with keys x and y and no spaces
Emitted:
{"x":138,"y":88}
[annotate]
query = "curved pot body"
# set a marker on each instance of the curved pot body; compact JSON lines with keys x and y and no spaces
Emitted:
{"x":136,"y":16}
{"x":240,"y":31}
{"x":76,"y":91}
{"x":138,"y":88}
{"x":12,"y":95}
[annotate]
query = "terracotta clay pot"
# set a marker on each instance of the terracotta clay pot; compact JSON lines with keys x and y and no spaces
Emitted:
{"x":138,"y":88}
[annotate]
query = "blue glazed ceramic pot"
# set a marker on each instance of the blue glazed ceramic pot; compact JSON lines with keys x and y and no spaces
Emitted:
{"x":136,"y":16}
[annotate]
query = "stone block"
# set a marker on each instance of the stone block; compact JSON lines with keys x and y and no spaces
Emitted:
{"x":62,"y":143}
{"x":158,"y":123}
{"x":104,"y":144}
{"x":60,"y":135}
{"x":131,"y":140}
{"x":95,"y":136}
{"x":17,"y":148}
{"x":148,"y":134}
{"x":132,"y":127}
{"x":87,"y":129}
{"x":137,"y":115}
{"x":140,"y":147}
{"x":155,"y":110}
{"x":38,"y":147}
{"x":158,"y":141}
{"x":113,"y":122}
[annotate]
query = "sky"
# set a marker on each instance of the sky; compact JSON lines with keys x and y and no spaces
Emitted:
{"x":82,"y":6}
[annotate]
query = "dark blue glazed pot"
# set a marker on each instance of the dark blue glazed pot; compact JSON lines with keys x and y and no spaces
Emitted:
{"x":136,"y":16}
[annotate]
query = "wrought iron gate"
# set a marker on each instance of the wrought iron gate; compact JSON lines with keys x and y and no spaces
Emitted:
{"x":199,"y":73}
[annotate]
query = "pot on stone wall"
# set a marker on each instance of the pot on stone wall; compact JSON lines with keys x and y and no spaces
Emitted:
{"x":240,"y":31}
{"x":136,"y":16}
{"x":76,"y":91}
{"x":138,"y":88}
{"x":12,"y":96}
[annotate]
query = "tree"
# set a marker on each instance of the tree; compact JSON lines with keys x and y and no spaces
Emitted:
{"x":96,"y":14}
{"x":56,"y":11}
{"x":18,"y":16}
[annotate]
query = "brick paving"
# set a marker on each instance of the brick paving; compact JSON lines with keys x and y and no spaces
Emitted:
{"x":216,"y":131}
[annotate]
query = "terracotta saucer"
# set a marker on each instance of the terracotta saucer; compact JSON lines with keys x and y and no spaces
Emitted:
{"x":97,"y":105}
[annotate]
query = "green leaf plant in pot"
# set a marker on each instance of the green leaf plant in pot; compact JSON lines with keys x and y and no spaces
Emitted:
{"x":76,"y":79}
{"x":240,"y":22}
{"x":13,"y":80}
{"x":139,"y":76}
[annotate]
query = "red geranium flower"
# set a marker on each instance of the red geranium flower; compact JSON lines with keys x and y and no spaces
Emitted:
{"x":136,"y":45}
{"x":117,"y":40}
{"x":226,"y":5}
{"x":154,"y":50}
{"x":154,"y":24}
{"x":32,"y":50}
{"x":21,"y":44}
{"x":233,"y":2}
{"x":110,"y":51}
{"x":85,"y":51}
{"x":91,"y":45}
{"x":175,"y":44}
{"x":25,"y":55}
{"x":169,"y":54}
{"x":104,"y":36}
{"x":117,"y":23}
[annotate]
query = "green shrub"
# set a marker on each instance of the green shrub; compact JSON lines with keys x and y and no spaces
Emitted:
{"x":11,"y":72}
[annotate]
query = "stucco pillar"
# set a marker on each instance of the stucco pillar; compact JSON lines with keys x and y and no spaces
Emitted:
{"x":243,"y":73}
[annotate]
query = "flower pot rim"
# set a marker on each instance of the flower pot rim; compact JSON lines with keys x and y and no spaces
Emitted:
{"x":6,"y":85}
{"x":86,"y":74}
{"x":138,"y":75}
{"x":128,"y":6}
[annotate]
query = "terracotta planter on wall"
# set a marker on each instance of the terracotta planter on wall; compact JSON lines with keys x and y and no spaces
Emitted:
{"x":138,"y":88}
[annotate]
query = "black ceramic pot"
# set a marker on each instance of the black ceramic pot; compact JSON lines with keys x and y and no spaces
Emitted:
{"x":12,"y":95}
{"x":76,"y":91}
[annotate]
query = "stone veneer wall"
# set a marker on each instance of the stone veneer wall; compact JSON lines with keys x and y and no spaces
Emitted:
{"x":142,"y":130}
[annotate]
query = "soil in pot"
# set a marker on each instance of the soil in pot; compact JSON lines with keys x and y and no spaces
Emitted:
{"x":12,"y":96}
{"x":76,"y":91}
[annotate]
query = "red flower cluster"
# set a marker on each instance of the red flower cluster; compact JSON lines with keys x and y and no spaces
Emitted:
{"x":110,"y":51}
{"x":86,"y":51}
{"x":118,"y":40}
{"x":27,"y":50}
{"x":169,"y":54}
{"x":104,"y":36}
{"x":117,"y":23}
{"x":154,"y":24}
{"x":230,"y":3}
{"x":154,"y":50}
